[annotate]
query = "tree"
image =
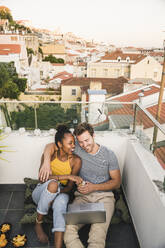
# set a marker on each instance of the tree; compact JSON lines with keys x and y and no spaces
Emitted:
{"x":10,"y":90}
{"x":29,"y":51}
{"x":10,"y":85}
{"x":4,"y":75}
{"x":53,"y":59}
{"x":60,"y":60}
{"x":5,"y":13}
{"x":21,"y":83}
{"x":40,"y":50}
{"x":48,"y":116}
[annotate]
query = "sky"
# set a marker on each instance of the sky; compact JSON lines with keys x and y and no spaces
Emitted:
{"x":139,"y":23}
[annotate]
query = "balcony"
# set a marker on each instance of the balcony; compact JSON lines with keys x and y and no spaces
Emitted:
{"x":127,"y":129}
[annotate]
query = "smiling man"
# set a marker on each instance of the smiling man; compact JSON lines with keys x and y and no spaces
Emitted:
{"x":101,"y":174}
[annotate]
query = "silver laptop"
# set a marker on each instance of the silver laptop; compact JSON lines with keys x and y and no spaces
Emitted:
{"x":87,"y":213}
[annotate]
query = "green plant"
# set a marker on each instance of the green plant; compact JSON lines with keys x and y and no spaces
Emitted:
{"x":10,"y":84}
{"x":3,"y":136}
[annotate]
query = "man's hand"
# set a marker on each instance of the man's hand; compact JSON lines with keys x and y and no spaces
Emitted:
{"x":45,"y":172}
{"x":86,"y":189}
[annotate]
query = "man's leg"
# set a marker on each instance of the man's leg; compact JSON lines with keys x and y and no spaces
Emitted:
{"x":98,"y":231}
{"x":71,"y":236}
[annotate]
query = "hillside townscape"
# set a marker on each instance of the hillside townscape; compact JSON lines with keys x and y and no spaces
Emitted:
{"x":42,"y":65}
{"x":87,"y":111}
{"x":61,"y":66}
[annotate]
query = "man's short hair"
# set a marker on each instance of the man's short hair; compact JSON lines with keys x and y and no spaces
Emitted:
{"x":83,"y":127}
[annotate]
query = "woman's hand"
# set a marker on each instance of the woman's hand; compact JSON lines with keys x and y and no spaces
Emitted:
{"x":45,"y":172}
{"x":78,"y":180}
{"x":54,"y":177}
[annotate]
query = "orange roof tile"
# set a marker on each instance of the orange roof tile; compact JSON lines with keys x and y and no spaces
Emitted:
{"x":6,"y":49}
{"x":160,"y":154}
{"x":94,"y":51}
{"x":153,"y":112}
{"x":82,"y":64}
{"x":114,"y":55}
{"x":161,"y":54}
{"x":62,"y":75}
{"x":72,"y":55}
{"x":112,"y":85}
{"x":141,"y":117}
{"x":129,"y":97}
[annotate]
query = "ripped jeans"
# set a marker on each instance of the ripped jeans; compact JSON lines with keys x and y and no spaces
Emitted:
{"x":42,"y":197}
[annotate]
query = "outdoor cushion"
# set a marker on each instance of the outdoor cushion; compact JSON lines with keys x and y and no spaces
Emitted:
{"x":29,"y":206}
{"x":121,"y":212}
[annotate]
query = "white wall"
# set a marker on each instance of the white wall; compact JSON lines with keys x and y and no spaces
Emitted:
{"x":146,"y":68}
{"x":150,"y":99}
{"x":146,"y":203}
{"x":24,"y":161}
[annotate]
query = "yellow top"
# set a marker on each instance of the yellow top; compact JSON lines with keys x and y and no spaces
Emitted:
{"x":61,"y":168}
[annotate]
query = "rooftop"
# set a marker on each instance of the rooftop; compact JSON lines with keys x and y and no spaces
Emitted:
{"x":116,"y":54}
{"x":120,"y":235}
{"x":138,"y":165}
{"x":112,"y":85}
{"x":6,"y":49}
{"x":134,"y":95}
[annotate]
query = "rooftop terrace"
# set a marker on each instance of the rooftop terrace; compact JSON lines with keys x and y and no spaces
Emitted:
{"x":139,"y":167}
{"x":120,"y":235}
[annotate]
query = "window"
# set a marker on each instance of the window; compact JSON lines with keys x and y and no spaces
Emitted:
{"x":93,"y":72}
{"x":117,"y":72}
{"x":73,"y":92}
{"x":126,"y":74}
{"x":119,"y":59}
{"x":155,"y":74}
{"x":128,"y":59}
{"x":14,"y":38}
{"x":105,"y":72}
{"x":41,"y":74}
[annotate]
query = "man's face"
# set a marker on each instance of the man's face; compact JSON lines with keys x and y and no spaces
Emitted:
{"x":86,"y":141}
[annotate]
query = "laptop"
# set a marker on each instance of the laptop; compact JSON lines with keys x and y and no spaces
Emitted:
{"x":85,"y":213}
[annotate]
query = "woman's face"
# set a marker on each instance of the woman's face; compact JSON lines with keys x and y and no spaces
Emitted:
{"x":68,"y":143}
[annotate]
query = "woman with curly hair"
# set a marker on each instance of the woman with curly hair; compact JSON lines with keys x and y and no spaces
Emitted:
{"x":54,"y":193}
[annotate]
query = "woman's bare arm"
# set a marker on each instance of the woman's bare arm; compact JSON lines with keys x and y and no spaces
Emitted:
{"x":45,"y":169}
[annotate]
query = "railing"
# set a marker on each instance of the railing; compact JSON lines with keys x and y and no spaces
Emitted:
{"x":132,"y":118}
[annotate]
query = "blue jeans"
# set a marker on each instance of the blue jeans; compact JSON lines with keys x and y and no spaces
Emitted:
{"x":58,"y":201}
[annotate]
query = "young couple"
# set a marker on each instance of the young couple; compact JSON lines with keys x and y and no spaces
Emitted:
{"x":62,"y":161}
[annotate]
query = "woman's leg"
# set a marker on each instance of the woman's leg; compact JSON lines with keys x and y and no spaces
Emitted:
{"x":59,"y":207}
{"x":43,"y":195}
{"x":58,"y":239}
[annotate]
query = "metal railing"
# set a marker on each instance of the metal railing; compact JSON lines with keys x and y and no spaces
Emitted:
{"x":130,"y":117}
